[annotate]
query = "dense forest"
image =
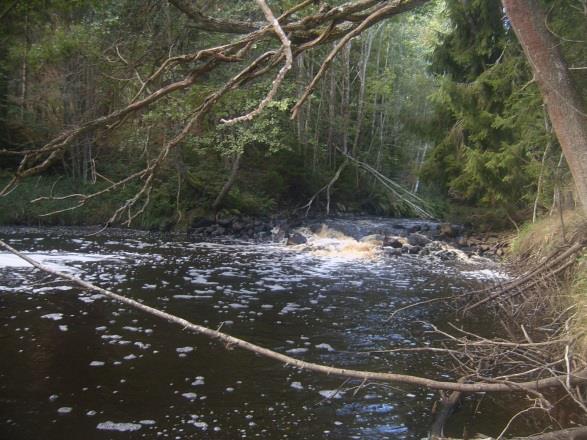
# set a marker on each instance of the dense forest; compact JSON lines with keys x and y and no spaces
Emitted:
{"x":439,"y":100}
{"x":403,"y":180}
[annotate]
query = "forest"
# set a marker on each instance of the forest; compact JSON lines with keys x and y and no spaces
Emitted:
{"x":275,"y":118}
{"x":440,"y":100}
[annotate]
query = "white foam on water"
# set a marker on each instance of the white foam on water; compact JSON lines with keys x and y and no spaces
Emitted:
{"x":192,"y":296}
{"x":331,"y":394}
{"x":51,"y":288}
{"x":201,"y":425}
{"x":299,"y":350}
{"x":120,"y":427}
{"x":53,"y":316}
{"x":485,"y":274}
{"x":97,"y":364}
{"x":53,"y":261}
{"x":238,"y":306}
{"x":297,"y":385}
{"x":198,"y":382}
{"x":325,"y":346}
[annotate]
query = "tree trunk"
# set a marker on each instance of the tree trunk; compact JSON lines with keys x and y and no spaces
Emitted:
{"x":331,"y":115}
{"x":24,"y":76}
{"x":565,"y":106}
{"x":346,"y":95}
{"x":226,"y":188}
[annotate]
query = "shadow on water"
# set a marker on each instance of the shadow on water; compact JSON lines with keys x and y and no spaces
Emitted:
{"x":76,"y":365}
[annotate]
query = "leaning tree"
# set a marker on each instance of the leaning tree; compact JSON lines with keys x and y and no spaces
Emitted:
{"x":565,"y":106}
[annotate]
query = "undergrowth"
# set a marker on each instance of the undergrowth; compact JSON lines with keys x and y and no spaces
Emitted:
{"x":535,"y":242}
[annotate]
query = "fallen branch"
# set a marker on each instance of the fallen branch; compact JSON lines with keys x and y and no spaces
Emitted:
{"x":552,"y":267}
{"x":326,"y":188}
{"x":579,"y":433}
{"x":231,"y":342}
{"x":401,"y":193}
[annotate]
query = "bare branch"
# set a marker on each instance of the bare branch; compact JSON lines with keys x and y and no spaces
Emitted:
{"x":381,"y":11}
{"x":286,"y":45}
{"x":212,"y":24}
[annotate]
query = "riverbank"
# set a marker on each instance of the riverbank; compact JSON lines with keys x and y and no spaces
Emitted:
{"x":567,"y":289}
{"x":543,"y":309}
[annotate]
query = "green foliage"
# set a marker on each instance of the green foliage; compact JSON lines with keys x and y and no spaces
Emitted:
{"x":493,"y":132}
{"x":269,"y":131}
{"x":87,"y":58}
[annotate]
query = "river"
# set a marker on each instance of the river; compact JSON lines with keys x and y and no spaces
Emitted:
{"x":76,"y":365}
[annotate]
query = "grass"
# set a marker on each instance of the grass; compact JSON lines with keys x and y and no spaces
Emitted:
{"x":578,"y":295}
{"x":17,"y":209}
{"x":537,"y":240}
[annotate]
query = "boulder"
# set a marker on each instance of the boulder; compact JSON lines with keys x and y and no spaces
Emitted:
{"x":202,"y":223}
{"x":484,"y":248}
{"x":225,"y":221}
{"x":393,"y":252}
{"x":260,"y":228}
{"x":416,"y":239}
{"x":446,"y":230}
{"x":446,"y":255}
{"x":434,"y":246}
{"x":238,"y":226}
{"x":316,"y":228}
{"x":296,"y":238}
{"x":219,"y":230}
{"x":414,"y":250}
{"x":392,"y":242}
{"x":372,"y":238}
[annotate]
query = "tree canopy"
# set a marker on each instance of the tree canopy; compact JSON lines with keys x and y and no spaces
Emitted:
{"x":135,"y":103}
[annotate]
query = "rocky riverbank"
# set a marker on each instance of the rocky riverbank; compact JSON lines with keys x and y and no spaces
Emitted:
{"x":396,"y":237}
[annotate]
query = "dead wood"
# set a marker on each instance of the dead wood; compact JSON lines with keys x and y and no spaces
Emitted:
{"x":448,"y":405}
{"x":555,"y":263}
{"x":579,"y":433}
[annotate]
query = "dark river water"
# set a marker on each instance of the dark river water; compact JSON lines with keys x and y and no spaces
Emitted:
{"x":76,"y":365}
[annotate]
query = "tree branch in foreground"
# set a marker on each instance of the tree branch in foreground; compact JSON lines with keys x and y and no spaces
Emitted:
{"x":230,"y":341}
